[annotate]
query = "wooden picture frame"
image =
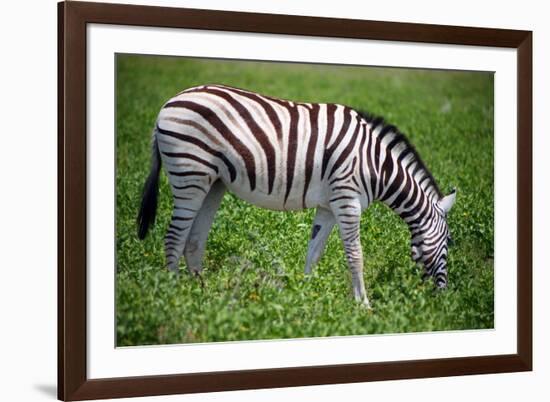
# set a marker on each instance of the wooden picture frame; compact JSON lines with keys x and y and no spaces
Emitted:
{"x":73,"y":17}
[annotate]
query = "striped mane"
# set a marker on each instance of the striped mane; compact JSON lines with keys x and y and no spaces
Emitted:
{"x":377,"y":121}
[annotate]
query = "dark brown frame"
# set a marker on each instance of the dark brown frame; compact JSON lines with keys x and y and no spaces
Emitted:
{"x":73,"y":383}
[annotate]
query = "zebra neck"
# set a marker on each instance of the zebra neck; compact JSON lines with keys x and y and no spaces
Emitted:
{"x":412,"y":197}
{"x":393,"y":172}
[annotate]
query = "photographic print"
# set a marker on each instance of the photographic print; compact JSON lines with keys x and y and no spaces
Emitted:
{"x":288,"y":200}
{"x":271,"y":200}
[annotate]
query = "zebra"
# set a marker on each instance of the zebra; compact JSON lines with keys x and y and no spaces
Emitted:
{"x":284,"y":155}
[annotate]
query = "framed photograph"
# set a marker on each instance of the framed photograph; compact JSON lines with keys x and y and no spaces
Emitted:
{"x":252,"y":200}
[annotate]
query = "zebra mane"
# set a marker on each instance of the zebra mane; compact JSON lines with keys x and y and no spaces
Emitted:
{"x":376,"y":121}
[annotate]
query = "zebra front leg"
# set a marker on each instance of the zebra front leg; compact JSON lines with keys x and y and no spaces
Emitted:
{"x":322,"y":226}
{"x":348,"y":217}
{"x":196,"y":241}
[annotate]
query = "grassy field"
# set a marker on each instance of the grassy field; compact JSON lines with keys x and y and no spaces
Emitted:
{"x":254,"y":287}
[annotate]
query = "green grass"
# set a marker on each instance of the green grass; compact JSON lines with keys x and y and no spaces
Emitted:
{"x":254,"y":287}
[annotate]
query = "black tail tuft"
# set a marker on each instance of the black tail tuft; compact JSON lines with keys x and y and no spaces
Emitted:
{"x":148,"y":209}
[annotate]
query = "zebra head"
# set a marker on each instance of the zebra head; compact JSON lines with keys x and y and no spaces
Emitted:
{"x":430,"y":243}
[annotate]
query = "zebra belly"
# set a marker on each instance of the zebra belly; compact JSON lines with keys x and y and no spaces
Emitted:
{"x":276,"y":200}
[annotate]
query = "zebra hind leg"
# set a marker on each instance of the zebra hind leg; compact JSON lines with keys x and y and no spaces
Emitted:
{"x":189,"y":194}
{"x":348,"y":217}
{"x":322,"y":226}
{"x":196,"y":240}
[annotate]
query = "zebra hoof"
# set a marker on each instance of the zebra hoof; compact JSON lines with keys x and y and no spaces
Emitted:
{"x":199,"y":277}
{"x":365,"y":304}
{"x":194,"y":270}
{"x":174,"y":271}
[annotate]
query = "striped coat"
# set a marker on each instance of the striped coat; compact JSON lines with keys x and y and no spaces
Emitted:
{"x":285,"y":155}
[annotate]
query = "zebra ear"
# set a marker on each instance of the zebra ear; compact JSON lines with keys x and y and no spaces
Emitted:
{"x":447,"y":202}
{"x":415,"y":253}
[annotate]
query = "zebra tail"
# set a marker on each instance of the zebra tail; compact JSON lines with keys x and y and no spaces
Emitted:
{"x":149,"y":198}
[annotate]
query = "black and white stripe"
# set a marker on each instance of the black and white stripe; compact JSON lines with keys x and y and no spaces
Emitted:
{"x":284,"y":155}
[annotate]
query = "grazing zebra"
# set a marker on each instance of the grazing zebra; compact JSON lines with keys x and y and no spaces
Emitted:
{"x":286,"y":155}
